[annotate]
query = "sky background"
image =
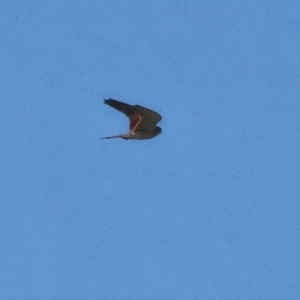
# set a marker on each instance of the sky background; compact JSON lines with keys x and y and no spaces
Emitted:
{"x":209,"y":209}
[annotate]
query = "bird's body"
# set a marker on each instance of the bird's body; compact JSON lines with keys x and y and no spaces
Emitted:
{"x":142,"y":121}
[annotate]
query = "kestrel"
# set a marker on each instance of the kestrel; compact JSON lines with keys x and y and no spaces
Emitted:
{"x":142,"y":121}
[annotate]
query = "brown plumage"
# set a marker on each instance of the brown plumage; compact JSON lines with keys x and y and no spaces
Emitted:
{"x":142,"y":120}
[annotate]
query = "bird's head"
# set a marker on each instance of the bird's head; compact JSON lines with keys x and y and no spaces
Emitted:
{"x":158,"y":129}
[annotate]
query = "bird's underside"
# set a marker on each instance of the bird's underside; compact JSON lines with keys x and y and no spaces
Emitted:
{"x":142,"y":121}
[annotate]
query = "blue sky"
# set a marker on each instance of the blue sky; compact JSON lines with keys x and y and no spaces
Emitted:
{"x":209,"y":209}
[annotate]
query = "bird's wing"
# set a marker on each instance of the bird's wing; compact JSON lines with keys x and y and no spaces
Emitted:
{"x":139,"y":117}
{"x":120,"y":106}
{"x":148,"y":118}
{"x":126,"y":109}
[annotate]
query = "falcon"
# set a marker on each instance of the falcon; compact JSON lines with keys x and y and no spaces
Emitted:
{"x":142,"y":121}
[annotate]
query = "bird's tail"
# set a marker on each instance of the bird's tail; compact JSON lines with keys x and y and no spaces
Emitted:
{"x":112,"y":137}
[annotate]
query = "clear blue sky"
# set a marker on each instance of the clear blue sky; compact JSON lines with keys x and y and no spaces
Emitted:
{"x":207,"y":210}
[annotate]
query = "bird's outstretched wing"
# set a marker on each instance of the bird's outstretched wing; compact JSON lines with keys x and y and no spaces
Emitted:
{"x":139,"y":117}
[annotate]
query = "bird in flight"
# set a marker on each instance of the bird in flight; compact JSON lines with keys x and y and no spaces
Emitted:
{"x":142,"y":121}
